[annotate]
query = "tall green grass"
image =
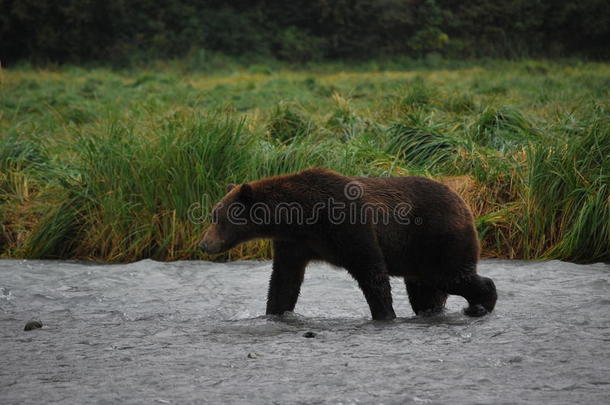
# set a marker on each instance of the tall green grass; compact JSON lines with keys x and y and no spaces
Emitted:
{"x":567,"y":211}
{"x":503,"y":128}
{"x":132,"y":191}
{"x":120,"y":166}
{"x":420,"y":142}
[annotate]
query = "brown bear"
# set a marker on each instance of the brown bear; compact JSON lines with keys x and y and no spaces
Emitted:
{"x":410,"y":227}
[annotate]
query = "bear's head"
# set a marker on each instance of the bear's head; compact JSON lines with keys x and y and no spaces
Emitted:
{"x":231,"y":224}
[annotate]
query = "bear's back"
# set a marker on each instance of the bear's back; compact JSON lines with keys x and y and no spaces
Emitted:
{"x":434,"y":224}
{"x":427,"y":199}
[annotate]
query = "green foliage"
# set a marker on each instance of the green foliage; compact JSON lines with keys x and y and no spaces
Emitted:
{"x":17,"y":153}
{"x":296,"y":45}
{"x":568,"y":196}
{"x":19,"y":158}
{"x":133,"y":33}
{"x":418,"y":94}
{"x":501,"y":128}
{"x":119,"y":166}
{"x":420,"y":142}
{"x":429,"y":37}
{"x":459,"y":103}
{"x":56,"y":236}
{"x":287,"y":123}
{"x":133,"y":190}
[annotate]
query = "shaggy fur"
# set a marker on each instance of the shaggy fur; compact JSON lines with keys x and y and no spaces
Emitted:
{"x":434,"y":245}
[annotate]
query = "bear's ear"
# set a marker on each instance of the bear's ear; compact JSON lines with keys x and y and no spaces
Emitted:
{"x":246,"y":194}
{"x":230,"y":187}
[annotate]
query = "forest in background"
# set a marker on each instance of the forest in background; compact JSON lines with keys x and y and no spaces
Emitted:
{"x":117,"y":117}
{"x":124,"y":33}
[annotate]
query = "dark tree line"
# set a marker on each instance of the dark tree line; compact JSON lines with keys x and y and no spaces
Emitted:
{"x":301,"y":30}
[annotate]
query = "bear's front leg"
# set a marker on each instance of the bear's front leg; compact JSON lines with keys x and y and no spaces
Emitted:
{"x":289,"y":262}
{"x":377,"y":291}
{"x":370,"y":272}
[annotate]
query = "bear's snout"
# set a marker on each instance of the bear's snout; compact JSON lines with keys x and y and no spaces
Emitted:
{"x":211,"y":245}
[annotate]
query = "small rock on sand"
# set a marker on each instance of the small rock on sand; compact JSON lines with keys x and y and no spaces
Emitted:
{"x":33,"y":324}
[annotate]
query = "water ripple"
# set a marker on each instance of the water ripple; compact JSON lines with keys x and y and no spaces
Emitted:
{"x":151,"y":332}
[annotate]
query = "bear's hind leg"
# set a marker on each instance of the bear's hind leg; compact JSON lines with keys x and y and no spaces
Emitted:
{"x":480,"y":292}
{"x":424,"y":299}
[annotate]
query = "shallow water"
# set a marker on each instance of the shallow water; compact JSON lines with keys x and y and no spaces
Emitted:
{"x":152,"y":332}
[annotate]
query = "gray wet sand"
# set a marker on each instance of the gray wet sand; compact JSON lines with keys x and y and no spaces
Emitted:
{"x":194,"y":332}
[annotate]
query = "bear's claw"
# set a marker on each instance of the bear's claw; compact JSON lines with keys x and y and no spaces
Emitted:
{"x":476,"y":310}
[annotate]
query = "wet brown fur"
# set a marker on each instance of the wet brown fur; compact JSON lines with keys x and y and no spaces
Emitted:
{"x":436,"y":253}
